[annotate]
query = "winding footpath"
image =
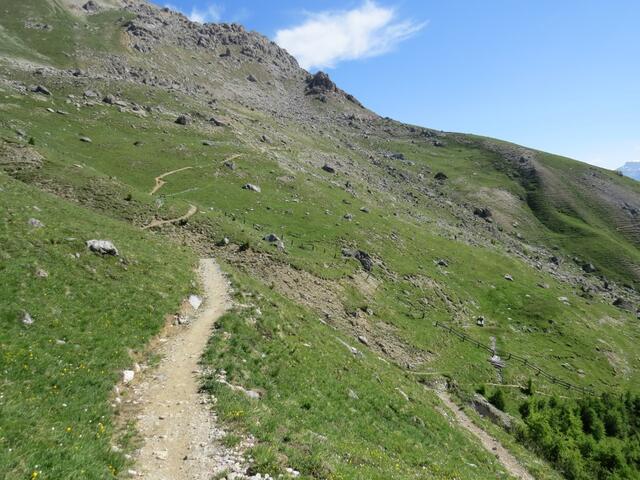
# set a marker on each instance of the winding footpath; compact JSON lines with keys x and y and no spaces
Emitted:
{"x":179,"y":429}
{"x":160,"y":179}
{"x":158,"y":223}
{"x":493,"y":446}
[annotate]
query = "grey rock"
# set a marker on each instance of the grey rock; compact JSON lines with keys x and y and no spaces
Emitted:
{"x":440,"y":176}
{"x":85,"y":139}
{"x":589,"y":268}
{"x":35,"y":223}
{"x":40,"y":89}
{"x":486,"y":409}
{"x":40,"y":273}
{"x":328,"y":168}
{"x":252,"y":187}
{"x":251,"y":78}
{"x":103,"y":247}
{"x":623,"y":304}
{"x":27,"y":319}
{"x":483,"y":212}
{"x":508,"y":277}
{"x":183,"y":120}
{"x":91,"y":7}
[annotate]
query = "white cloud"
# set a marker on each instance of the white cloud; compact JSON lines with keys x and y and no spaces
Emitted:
{"x":211,"y":14}
{"x":326,"y":38}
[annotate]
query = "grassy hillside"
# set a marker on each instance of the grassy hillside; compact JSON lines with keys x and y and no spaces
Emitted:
{"x":433,"y":258}
{"x":89,"y":312}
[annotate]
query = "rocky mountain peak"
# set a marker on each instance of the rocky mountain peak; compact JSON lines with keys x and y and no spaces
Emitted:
{"x":631,"y":169}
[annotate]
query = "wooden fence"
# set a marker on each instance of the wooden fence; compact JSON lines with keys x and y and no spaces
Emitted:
{"x":506,"y":356}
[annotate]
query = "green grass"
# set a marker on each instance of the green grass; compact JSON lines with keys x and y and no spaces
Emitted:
{"x":324,"y":411}
{"x":89,"y":313}
{"x":411,"y":224}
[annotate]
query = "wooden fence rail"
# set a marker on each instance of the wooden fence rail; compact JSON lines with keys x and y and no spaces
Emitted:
{"x":506,"y":356}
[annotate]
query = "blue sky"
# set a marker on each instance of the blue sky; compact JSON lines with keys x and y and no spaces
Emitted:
{"x":562,"y":76}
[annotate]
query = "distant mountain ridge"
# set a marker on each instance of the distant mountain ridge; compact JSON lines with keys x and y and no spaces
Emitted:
{"x":631,"y":170}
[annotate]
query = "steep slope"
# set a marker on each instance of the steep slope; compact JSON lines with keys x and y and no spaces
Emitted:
{"x":364,"y":236}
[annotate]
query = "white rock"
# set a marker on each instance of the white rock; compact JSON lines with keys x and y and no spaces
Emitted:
{"x":35,"y":223}
{"x":252,"y":187}
{"x":104,"y":247}
{"x":27,"y":320}
{"x":127,"y":375}
{"x":195,"y":301}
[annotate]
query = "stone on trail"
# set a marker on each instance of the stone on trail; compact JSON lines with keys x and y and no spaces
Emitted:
{"x":103,"y":247}
{"x":195,"y":301}
{"x":127,"y":376}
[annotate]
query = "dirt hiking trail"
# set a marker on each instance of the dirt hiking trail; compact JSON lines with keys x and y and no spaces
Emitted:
{"x":181,"y":438}
{"x":160,"y":182}
{"x":158,"y":223}
{"x":493,"y":446}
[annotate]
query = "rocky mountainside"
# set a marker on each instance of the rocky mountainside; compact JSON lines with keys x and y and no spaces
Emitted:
{"x":631,"y":170}
{"x":361,"y":250}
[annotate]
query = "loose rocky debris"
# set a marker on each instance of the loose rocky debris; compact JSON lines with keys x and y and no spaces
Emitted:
{"x":623,"y":304}
{"x":483,"y":212}
{"x":15,"y":158}
{"x":363,"y":257}
{"x":103,"y":247}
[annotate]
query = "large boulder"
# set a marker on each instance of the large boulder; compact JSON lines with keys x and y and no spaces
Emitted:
{"x":486,"y":409}
{"x":103,"y":247}
{"x":183,"y":120}
{"x":252,"y":187}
